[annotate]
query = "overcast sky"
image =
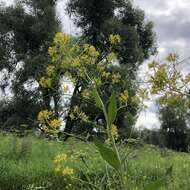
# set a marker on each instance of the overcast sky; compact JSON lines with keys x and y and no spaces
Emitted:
{"x":172,"y":26}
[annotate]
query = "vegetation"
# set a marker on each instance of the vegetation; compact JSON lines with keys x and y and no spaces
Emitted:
{"x":32,"y":167}
{"x":27,"y":30}
{"x":98,"y":21}
{"x":102,"y":64}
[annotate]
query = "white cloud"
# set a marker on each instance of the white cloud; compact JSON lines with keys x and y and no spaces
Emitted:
{"x":7,"y":2}
{"x":148,"y":120}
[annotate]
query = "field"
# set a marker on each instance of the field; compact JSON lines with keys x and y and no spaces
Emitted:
{"x":28,"y":163}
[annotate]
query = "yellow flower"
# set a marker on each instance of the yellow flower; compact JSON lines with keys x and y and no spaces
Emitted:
{"x":111,"y":56}
{"x":114,"y":131}
{"x":116,"y":78}
{"x":124,"y":96}
{"x":46,"y":82}
{"x":60,"y":157}
{"x":172,"y":57}
{"x":68,"y":171}
{"x":106,"y":74}
{"x":76,"y":62}
{"x":135,"y":100}
{"x":86,"y":94}
{"x":153,"y":64}
{"x":93,"y":52}
{"x":114,"y":39}
{"x":62,"y":38}
{"x":78,"y":114}
{"x":65,"y":88}
{"x":55,"y":123}
{"x":44,"y":115}
{"x":50,"y":70}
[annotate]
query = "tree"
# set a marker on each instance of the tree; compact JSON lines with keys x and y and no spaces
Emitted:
{"x":100,"y":19}
{"x":174,"y":126}
{"x":172,"y":87}
{"x":26,"y":32}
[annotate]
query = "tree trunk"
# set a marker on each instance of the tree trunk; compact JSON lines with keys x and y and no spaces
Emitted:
{"x":69,"y":122}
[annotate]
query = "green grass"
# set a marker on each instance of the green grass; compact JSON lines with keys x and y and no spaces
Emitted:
{"x":27,"y":163}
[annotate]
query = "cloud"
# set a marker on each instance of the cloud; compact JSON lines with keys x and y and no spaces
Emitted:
{"x":172,"y":20}
{"x":7,"y":2}
{"x":148,"y":120}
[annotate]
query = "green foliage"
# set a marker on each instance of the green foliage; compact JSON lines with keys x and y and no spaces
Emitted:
{"x":159,"y":183}
{"x":174,"y":126}
{"x":108,"y":154}
{"x":172,"y":87}
{"x":99,"y":19}
{"x":112,"y":109}
{"x":98,"y":99}
{"x":155,"y":185}
{"x":38,"y":171}
{"x":27,"y":30}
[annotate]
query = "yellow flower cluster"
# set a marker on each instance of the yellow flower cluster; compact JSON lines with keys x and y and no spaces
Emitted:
{"x":135,"y":100}
{"x":78,"y":114}
{"x":106,"y":74}
{"x":76,"y":62}
{"x":46,"y":82}
{"x":50,"y":70}
{"x":91,"y":51}
{"x":88,"y":57}
{"x":159,"y":79}
{"x":68,"y":171}
{"x":114,"y":131}
{"x":171,"y":99}
{"x":55,"y":123}
{"x":60,"y":158}
{"x":143,"y":93}
{"x":116,"y":78}
{"x":65,"y":88}
{"x":62,"y":38}
{"x":172,"y":57}
{"x":114,"y":39}
{"x":61,"y":45}
{"x":124,"y":96}
{"x":111,"y":56}
{"x":86,"y":94}
{"x":44,"y":115}
{"x":153,"y":64}
{"x":51,"y":125}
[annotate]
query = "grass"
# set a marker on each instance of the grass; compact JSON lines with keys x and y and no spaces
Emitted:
{"x":27,"y":163}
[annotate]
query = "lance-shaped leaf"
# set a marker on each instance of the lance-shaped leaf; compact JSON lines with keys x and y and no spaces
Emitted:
{"x":112,"y":109}
{"x":98,"y":99}
{"x":108,"y":154}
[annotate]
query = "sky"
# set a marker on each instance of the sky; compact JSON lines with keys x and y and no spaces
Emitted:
{"x":172,"y":26}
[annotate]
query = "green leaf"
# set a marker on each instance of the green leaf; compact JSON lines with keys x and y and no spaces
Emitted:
{"x":97,"y":98}
{"x":112,"y":109}
{"x":108,"y":154}
{"x":155,"y":185}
